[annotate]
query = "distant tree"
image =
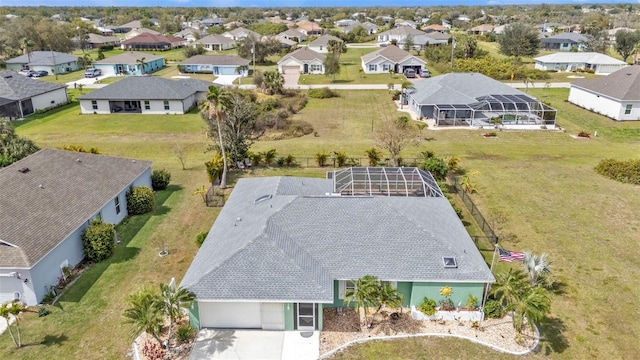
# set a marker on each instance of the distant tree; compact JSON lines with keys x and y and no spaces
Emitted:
{"x":262,"y":49}
{"x":12,"y":146}
{"x":100,"y":55}
{"x":519,"y":40}
{"x":394,"y":136}
{"x":272,"y":82}
{"x":213,"y":114}
{"x":626,"y":42}
{"x":191,"y":51}
{"x":141,"y":63}
{"x":468,"y":44}
{"x":598,"y":42}
{"x":268,"y":28}
{"x":331,"y":64}
{"x":408,"y":43}
{"x":27,"y":47}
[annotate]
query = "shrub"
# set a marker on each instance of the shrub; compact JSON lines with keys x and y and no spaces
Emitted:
{"x":395,"y":95}
{"x":200,"y":237}
{"x":471,"y":303}
{"x":341,"y":158}
{"x":584,"y":134}
{"x":268,"y":156}
{"x":98,"y":240}
{"x":280,"y":161}
{"x":374,"y":156}
{"x":321,"y":158}
{"x":427,"y":306}
{"x":493,"y":309}
{"x":290,"y":161}
{"x":436,"y":166}
{"x":160,"y":179}
{"x":185,"y":333}
{"x":140,"y":200}
{"x":623,"y":171}
{"x":322,"y":93}
{"x":43,"y":311}
{"x":256,"y":158}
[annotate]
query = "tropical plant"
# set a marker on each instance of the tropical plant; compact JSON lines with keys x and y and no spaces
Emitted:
{"x":532,"y":304}
{"x":335,"y":48}
{"x":98,"y":240}
{"x":215,"y":168}
{"x":536,"y":266}
{"x":10,"y":311}
{"x":389,"y":295}
{"x":200,"y":238}
{"x":269,"y":156}
{"x":202,"y":191}
{"x":453,"y":163}
{"x":436,"y":166}
{"x":211,"y":110}
{"x":493,"y":309}
{"x":141,"y":63}
{"x":185,"y":333}
{"x":160,"y":179}
{"x":272,"y":82}
{"x":175,"y":300}
{"x":364,"y":295}
{"x":467,"y":183}
{"x":341,"y":158}
{"x":27,"y":45}
{"x":373,"y":155}
{"x":472,"y":302}
{"x":509,"y":286}
{"x":144,"y":313}
{"x":321,"y":158}
{"x":427,"y":306}
{"x":140,"y":200}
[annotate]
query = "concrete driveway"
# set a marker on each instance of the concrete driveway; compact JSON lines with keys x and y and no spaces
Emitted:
{"x":291,"y":80}
{"x":225,"y":80}
{"x":256,"y":345}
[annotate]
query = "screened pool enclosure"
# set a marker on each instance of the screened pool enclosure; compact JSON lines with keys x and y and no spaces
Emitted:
{"x":384,"y":181}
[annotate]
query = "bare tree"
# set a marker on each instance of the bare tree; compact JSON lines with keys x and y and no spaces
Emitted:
{"x":394,"y":136}
{"x":180,"y":152}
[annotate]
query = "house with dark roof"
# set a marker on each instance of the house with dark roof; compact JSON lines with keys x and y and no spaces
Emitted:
{"x":216,"y":65}
{"x":130,"y":63}
{"x":145,"y":95}
{"x":95,"y":41}
{"x":125,"y":28}
{"x":565,"y":42}
{"x":285,"y":248}
{"x":321,"y":44}
{"x":302,"y":61}
{"x":21,"y":96}
{"x":215,"y":43}
{"x":476,"y":100}
{"x":147,"y":41}
{"x":49,"y":199}
{"x":600,"y":64}
{"x":616,"y":95}
{"x":391,"y":58}
{"x":51,"y":61}
{"x":398,"y":34}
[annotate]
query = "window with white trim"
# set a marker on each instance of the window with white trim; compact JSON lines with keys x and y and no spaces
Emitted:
{"x":94,"y":104}
{"x":386,"y":67}
{"x":627,"y":109}
{"x":343,"y":286}
{"x":373,"y":67}
{"x":315,"y":67}
{"x":166,"y":104}
{"x":147,"y":106}
{"x":116,"y":202}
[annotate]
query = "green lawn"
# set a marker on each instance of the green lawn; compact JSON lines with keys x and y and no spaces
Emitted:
{"x":538,"y":189}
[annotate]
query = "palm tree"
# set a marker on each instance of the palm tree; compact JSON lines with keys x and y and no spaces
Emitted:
{"x":533,"y":304}
{"x":509,"y":286}
{"x":145,"y":313}
{"x":13,"y":310}
{"x":26,"y":46}
{"x":141,"y":62}
{"x":212,"y":109}
{"x":273,"y":82}
{"x":389,"y":296}
{"x":536,"y":267}
{"x":364,"y":295}
{"x":215,"y":167}
{"x":175,"y":300}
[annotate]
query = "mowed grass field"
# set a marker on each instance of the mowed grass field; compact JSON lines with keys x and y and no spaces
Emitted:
{"x":538,"y":189}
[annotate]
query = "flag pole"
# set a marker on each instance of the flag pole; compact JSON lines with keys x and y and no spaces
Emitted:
{"x":486,"y":286}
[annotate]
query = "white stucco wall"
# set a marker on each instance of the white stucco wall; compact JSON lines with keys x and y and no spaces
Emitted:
{"x":379,"y":62}
{"x":156,"y":107}
{"x":10,"y":284}
{"x":300,"y":65}
{"x":50,"y":99}
{"x":604,"y":105}
{"x":319,"y":49}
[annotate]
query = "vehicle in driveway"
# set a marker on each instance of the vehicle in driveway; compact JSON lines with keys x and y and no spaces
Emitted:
{"x":91,"y":73}
{"x":27,"y":73}
{"x":40,"y":73}
{"x":410,"y":73}
{"x":425,"y":73}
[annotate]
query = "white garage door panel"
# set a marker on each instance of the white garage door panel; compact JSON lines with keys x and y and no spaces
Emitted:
{"x":230,"y":315}
{"x":291,"y":69}
{"x":272,"y":316}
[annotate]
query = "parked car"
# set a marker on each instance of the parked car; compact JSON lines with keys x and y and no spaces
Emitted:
{"x":27,"y":73}
{"x":410,"y":73}
{"x":40,"y":73}
{"x":425,"y":73}
{"x":90,"y":73}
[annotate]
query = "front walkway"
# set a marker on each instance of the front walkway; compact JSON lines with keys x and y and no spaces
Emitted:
{"x":256,"y":344}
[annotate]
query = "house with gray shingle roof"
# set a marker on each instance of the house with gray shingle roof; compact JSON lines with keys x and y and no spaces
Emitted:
{"x":293,"y":34}
{"x":565,"y":42}
{"x":399,"y":33}
{"x":285,"y":248}
{"x":145,"y":95}
{"x":215,"y":43}
{"x":216,"y":65}
{"x":393,"y":58}
{"x":48,"y":201}
{"x":148,"y":41}
{"x":130,"y":63}
{"x":616,"y":95}
{"x":321,"y":43}
{"x":571,"y":61}
{"x":21,"y":96}
{"x":51,"y":61}
{"x":96,"y":41}
{"x":241,"y":33}
{"x":303,"y":61}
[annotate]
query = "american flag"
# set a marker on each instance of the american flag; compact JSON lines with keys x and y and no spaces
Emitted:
{"x":509,"y":256}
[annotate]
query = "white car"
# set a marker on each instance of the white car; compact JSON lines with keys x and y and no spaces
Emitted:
{"x":91,"y":73}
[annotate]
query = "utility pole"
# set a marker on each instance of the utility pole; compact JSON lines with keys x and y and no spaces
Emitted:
{"x":253,"y":53}
{"x":453,"y":47}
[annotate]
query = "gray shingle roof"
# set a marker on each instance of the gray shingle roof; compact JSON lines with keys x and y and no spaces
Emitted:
{"x":402,"y":31}
{"x":14,"y":86}
{"x":215,"y":39}
{"x":149,"y":38}
{"x":458,"y":88}
{"x":45,"y":58}
{"x":623,"y":84}
{"x":100,"y":39}
{"x":36,"y":219}
{"x":303,"y":55}
{"x":129,"y":57}
{"x":324,"y":40}
{"x":568,"y":36}
{"x":579,"y":57}
{"x":283,"y":238}
{"x":391,"y":52}
{"x":215,"y":60}
{"x":148,"y":88}
{"x":293,"y":33}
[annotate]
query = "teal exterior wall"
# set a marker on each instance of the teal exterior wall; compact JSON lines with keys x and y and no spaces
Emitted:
{"x":337,"y":302}
{"x":431,"y":290}
{"x":194,"y":315}
{"x":405,"y":289}
{"x":288,"y":316}
{"x":319,"y":325}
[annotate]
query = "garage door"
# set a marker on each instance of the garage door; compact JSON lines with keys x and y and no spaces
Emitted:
{"x":291,"y":69}
{"x":230,"y":315}
{"x":272,"y":316}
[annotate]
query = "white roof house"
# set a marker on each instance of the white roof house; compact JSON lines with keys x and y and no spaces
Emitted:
{"x":569,"y":61}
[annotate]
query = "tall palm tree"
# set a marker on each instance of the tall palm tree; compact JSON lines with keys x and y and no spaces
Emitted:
{"x":212,"y":109}
{"x":12,"y":310}
{"x":536,"y":266}
{"x":509,"y":286}
{"x":141,"y":62}
{"x":26,"y":46}
{"x":364,"y":295}
{"x":532,"y":304}
{"x":175,"y":300}
{"x":145,"y":313}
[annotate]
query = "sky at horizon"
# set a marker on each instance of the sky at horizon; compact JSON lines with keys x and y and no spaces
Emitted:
{"x":286,"y":3}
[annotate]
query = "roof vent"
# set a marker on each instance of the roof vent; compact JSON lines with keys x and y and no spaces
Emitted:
{"x":24,"y":170}
{"x":78,"y":160}
{"x":262,"y":198}
{"x":449,"y":262}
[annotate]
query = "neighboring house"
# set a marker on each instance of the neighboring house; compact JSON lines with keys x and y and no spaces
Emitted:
{"x":321,"y":43}
{"x":565,"y":42}
{"x":435,"y":28}
{"x":103,"y":30}
{"x":346,"y":22}
{"x":21,"y":96}
{"x":190,"y":34}
{"x":51,"y":61}
{"x":409,"y":23}
{"x":611,"y":34}
{"x":95,"y":41}
{"x":285,"y":248}
{"x":303,"y":61}
{"x":145,"y":95}
{"x":241,"y":33}
{"x":148,"y":41}
{"x":213,"y":22}
{"x":398,"y":34}
{"x":553,"y":27}
{"x":216,"y":43}
{"x":473,"y":99}
{"x":140,"y":31}
{"x":284,"y":43}
{"x":463,"y":17}
{"x":483,"y":29}
{"x":570,"y":61}
{"x":125,"y":28}
{"x":293,"y":34}
{"x":216,"y":65}
{"x":437,"y":38}
{"x":499,"y":30}
{"x":309,"y":28}
{"x":49,"y":198}
{"x":130,"y":63}
{"x":371,"y":28}
{"x":420,"y":41}
{"x":616,"y":95}
{"x":391,"y":58}
{"x":233,"y":24}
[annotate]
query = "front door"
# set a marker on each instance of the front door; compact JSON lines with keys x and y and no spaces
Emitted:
{"x":306,"y":320}
{"x":306,"y":68}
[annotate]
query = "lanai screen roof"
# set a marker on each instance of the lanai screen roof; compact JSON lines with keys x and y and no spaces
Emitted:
{"x":390,"y":181}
